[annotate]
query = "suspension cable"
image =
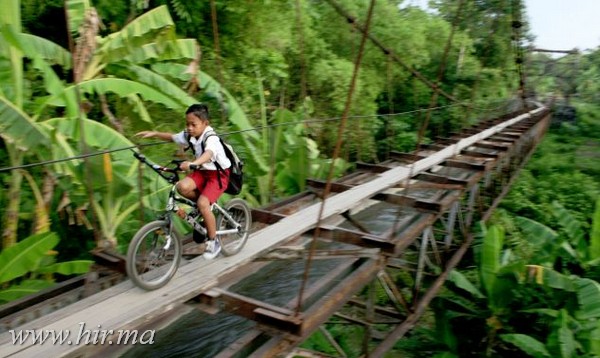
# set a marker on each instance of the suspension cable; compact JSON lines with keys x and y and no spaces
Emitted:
{"x":440,"y":74}
{"x":388,"y":51}
{"x":336,"y":152}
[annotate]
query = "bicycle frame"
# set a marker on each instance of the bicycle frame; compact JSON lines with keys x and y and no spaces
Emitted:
{"x":174,"y":197}
{"x":156,"y":249}
{"x":192,"y":217}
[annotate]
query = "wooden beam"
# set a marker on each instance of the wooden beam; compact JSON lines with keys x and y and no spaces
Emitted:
{"x":266,"y":217}
{"x":491,"y":146}
{"x":439,"y":179}
{"x":371,"y":167}
{"x":405,"y":156}
{"x":264,"y":313}
{"x":334,"y":187}
{"x":356,"y":238}
{"x":403,"y":200}
{"x":464,"y":165}
{"x":472,"y":153}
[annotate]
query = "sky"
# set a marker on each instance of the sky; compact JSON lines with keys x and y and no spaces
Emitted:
{"x":559,"y":24}
{"x":564,"y":24}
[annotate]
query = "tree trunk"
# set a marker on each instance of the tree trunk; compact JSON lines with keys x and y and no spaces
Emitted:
{"x":11,"y":218}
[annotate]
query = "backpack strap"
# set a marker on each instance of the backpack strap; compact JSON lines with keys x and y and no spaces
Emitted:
{"x":216,"y":163}
{"x":188,"y":139}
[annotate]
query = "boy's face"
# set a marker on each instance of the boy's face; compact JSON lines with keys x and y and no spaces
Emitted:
{"x":194,"y":125}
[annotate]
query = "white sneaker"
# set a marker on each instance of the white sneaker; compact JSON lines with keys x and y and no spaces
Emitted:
{"x":213,"y":248}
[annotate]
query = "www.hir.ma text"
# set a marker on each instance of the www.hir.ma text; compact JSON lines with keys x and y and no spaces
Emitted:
{"x":82,"y":336}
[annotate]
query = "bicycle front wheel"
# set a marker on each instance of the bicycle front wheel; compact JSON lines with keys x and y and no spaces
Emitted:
{"x":153,"y":255}
{"x":239,"y":211}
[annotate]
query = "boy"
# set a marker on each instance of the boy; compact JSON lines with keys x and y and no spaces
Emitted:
{"x":201,"y":185}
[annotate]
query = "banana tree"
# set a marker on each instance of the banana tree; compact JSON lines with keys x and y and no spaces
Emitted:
{"x":18,"y":130}
{"x":571,"y":243}
{"x":24,"y":134}
{"x":574,"y":329}
{"x":478,"y":305}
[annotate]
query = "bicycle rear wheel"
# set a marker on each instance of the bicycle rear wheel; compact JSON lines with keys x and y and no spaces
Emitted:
{"x":239,"y":211}
{"x":153,"y":255}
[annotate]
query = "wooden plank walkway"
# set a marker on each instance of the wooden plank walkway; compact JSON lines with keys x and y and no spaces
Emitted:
{"x":127,"y":307}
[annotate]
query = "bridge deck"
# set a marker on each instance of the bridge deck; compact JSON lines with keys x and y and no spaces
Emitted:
{"x":127,"y":307}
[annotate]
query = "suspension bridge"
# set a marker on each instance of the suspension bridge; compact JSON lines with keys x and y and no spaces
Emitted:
{"x":437,"y":191}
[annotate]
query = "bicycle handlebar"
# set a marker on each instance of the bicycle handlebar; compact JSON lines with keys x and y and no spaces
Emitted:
{"x":160,"y":169}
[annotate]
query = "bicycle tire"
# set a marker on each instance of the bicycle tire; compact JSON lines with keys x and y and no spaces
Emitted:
{"x":239,"y":210}
{"x":149,"y":265}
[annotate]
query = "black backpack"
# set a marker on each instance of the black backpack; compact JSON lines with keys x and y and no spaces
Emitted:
{"x":236,"y":173}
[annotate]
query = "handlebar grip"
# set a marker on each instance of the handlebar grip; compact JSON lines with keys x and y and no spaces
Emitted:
{"x":139,"y":156}
{"x":193,"y":166}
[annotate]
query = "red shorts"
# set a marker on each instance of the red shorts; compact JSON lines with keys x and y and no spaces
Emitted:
{"x":207,"y":182}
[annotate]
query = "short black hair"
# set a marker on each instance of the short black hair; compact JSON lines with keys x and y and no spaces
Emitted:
{"x":200,"y":110}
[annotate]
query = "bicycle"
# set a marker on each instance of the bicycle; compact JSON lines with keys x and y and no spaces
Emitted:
{"x":155,"y":252}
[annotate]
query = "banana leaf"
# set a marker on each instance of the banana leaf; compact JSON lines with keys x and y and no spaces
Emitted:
{"x":594,"y":253}
{"x":67,"y":268}
{"x":154,"y":26}
{"x":538,"y":234}
{"x":24,"y":288}
{"x":122,"y":88}
{"x":24,"y":256}
{"x":527,"y":344}
{"x":155,"y":81}
{"x":172,"y":50}
{"x":18,"y":128}
{"x":462,"y":282}
{"x":588,"y":297}
{"x":562,"y":339}
{"x":490,"y":257}
{"x":572,"y":228}
{"x":48,"y":50}
{"x":76,"y":14}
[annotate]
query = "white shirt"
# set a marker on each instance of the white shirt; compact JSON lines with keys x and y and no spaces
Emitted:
{"x":212,"y":143}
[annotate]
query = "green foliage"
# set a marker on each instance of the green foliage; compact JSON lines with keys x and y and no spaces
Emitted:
{"x":31,"y":256}
{"x":527,"y":344}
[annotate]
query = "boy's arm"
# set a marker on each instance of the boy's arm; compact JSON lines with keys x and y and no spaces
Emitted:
{"x":153,"y":134}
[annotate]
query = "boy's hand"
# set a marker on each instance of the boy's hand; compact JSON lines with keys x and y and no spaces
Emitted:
{"x":145,"y":134}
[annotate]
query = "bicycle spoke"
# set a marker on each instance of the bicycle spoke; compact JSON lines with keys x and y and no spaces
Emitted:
{"x":152,"y":257}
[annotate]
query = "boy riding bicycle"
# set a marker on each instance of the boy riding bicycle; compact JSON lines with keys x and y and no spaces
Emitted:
{"x":205,"y":183}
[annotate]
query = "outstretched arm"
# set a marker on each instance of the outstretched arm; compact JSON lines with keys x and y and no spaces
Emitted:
{"x":153,"y":134}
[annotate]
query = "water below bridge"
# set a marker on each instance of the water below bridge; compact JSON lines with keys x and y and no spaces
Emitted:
{"x":201,"y":334}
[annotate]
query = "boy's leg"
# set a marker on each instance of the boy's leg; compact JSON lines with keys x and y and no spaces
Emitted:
{"x":208,"y":195}
{"x":209,"y":217}
{"x":187,"y":187}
